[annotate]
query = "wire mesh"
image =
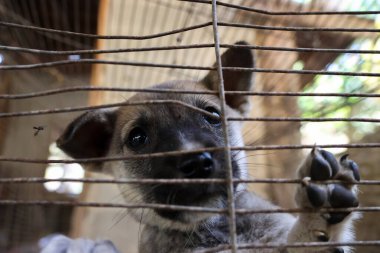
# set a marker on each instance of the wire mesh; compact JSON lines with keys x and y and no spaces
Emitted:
{"x":78,"y":38}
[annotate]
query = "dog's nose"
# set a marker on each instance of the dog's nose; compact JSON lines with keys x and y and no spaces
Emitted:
{"x":197,"y":166}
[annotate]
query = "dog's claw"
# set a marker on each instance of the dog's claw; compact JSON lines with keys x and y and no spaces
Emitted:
{"x":330,"y":158}
{"x":344,"y":158}
{"x":320,"y":169}
{"x":355,"y":170}
{"x":351,"y":165}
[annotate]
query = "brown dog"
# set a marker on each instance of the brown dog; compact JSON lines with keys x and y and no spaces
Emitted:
{"x":152,"y":128}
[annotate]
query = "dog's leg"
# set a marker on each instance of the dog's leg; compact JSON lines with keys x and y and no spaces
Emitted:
{"x":321,"y":165}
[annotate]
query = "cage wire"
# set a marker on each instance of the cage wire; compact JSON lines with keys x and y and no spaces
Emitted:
{"x":58,"y":55}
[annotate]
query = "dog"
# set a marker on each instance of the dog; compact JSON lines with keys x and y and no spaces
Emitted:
{"x":166,"y":127}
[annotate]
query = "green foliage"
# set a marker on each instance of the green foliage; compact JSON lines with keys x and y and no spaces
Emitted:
{"x":347,"y":106}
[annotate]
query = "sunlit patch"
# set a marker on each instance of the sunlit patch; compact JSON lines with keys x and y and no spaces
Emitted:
{"x":63,"y":171}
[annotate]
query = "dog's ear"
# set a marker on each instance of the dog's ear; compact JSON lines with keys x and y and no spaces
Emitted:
{"x":89,"y":135}
{"x":234,"y":80}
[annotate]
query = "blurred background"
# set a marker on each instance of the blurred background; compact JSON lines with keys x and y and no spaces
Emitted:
{"x":22,"y":226}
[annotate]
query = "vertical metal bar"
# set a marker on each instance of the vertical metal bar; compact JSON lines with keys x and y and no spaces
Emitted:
{"x":227,"y":147}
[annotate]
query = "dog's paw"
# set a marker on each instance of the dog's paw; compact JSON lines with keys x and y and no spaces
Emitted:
{"x":321,"y":166}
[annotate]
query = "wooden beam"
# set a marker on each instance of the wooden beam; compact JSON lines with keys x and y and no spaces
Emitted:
{"x":93,"y":99}
{"x":97,"y":69}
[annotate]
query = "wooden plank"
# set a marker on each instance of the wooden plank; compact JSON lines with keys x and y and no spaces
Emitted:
{"x":98,"y":69}
{"x":93,"y":99}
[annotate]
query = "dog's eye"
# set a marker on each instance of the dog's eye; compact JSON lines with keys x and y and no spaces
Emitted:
{"x":212,"y":120}
{"x":137,"y":138}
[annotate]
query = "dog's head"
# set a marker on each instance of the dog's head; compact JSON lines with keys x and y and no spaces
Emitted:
{"x":152,"y":128}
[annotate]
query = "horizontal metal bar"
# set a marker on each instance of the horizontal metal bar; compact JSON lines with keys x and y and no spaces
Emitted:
{"x":13,"y":202}
{"x":308,"y":210}
{"x":300,"y":29}
{"x":176,"y":66}
{"x":102,"y":51}
{"x":163,"y":102}
{"x":282,"y":246}
{"x":109,"y":158}
{"x":109,"y":205}
{"x":189,"y":28}
{"x":299,"y":119}
{"x":181,"y":47}
{"x":104,"y":37}
{"x":303,"y":72}
{"x":87,"y":108}
{"x":285,"y":147}
{"x":154,"y":90}
{"x":39,"y":180}
{"x":175,"y":153}
{"x":303,"y":94}
{"x":106,"y":89}
{"x":96,"y":61}
{"x":284,"y":13}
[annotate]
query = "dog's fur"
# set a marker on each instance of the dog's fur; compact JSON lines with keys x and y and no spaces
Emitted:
{"x":172,"y":127}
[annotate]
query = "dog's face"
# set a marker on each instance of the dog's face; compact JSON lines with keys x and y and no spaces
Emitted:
{"x":156,"y":128}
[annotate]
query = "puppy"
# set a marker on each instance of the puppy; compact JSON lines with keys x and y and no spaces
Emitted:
{"x":151,"y":128}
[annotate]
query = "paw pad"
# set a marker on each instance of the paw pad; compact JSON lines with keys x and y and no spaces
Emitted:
{"x":342,"y":197}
